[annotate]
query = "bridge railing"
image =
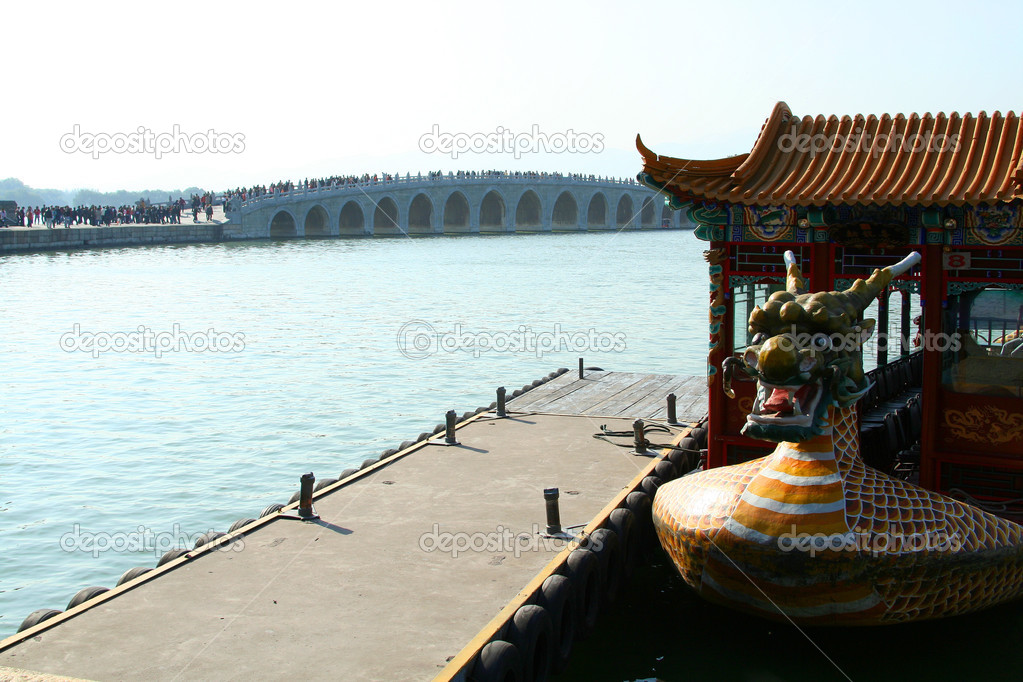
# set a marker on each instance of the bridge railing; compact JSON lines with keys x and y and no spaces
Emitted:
{"x":410,"y":181}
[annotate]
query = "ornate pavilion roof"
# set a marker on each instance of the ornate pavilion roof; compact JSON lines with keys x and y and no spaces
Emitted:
{"x":902,"y":160}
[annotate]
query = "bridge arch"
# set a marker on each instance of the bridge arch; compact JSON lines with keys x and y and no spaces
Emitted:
{"x":449,"y":204}
{"x":624,"y":213}
{"x":647,"y":215}
{"x":666,"y":215}
{"x":385,"y":217}
{"x":420,"y":215}
{"x":596,"y":211}
{"x":351,"y":220}
{"x":456,"y":213}
{"x":283,"y":224}
{"x":566,"y":212}
{"x":493,"y":216}
{"x":316,"y":222}
{"x":528,"y":211}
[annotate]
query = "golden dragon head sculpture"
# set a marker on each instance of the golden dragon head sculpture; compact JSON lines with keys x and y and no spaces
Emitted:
{"x":806,"y":353}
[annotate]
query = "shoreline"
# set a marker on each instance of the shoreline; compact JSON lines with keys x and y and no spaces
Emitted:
{"x":20,"y":239}
{"x":29,"y":240}
{"x":39,"y":238}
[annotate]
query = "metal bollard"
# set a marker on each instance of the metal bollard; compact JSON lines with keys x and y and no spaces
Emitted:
{"x":449,"y":435}
{"x":550,"y":496}
{"x":500,"y":402}
{"x":640,"y":436}
{"x":672,"y":414}
{"x":305,"y":496}
{"x":580,"y":368}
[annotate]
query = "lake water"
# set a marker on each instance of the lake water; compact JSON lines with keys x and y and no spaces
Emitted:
{"x":326,"y":353}
{"x":325,"y":358}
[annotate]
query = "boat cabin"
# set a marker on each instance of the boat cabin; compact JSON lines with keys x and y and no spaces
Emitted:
{"x":851,"y":194}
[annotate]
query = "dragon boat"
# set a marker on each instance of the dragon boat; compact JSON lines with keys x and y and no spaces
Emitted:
{"x":894,"y":484}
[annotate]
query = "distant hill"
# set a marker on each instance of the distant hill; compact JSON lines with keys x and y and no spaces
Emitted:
{"x":13,"y":189}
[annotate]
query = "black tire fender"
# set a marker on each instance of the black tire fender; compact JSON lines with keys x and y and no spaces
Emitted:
{"x":623,"y":522}
{"x":37,"y":617}
{"x":498,"y":661}
{"x":583,"y":568}
{"x":688,"y":458}
{"x":699,"y":434}
{"x":557,"y":595}
{"x":607,"y":546}
{"x":650,"y":484}
{"x":170,"y":556}
{"x":323,"y":483}
{"x":240,"y":523}
{"x":666,"y":470}
{"x":271,"y":509}
{"x":532,"y":633}
{"x":131,"y":574}
{"x":207,"y":538}
{"x":85,"y":594}
{"x":639,"y":503}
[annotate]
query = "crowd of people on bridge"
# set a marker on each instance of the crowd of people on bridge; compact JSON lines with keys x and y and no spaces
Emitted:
{"x":141,"y":213}
{"x":285,"y":186}
{"x":170,"y":213}
{"x":239,"y":195}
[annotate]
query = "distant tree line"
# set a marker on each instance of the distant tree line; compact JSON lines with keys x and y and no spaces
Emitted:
{"x":13,"y":189}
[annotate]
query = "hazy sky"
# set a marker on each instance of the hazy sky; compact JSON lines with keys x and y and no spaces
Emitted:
{"x":296,"y":89}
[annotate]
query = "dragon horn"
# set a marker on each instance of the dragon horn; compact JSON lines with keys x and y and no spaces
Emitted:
{"x":904,"y":265}
{"x":794,"y":282}
{"x":863,"y":291}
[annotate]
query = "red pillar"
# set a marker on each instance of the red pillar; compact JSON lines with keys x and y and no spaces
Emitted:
{"x":716,"y":404}
{"x":934,"y":295}
{"x":820,"y":277}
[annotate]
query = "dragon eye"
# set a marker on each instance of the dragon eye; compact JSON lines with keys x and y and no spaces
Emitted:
{"x":820,"y":342}
{"x":758,"y":339}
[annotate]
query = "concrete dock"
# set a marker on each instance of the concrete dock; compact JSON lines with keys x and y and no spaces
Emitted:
{"x":411,"y":568}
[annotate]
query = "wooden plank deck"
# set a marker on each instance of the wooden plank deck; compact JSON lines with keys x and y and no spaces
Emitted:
{"x":617,"y":394}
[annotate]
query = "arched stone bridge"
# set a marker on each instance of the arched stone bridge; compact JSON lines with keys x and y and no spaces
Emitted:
{"x":453,"y":204}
